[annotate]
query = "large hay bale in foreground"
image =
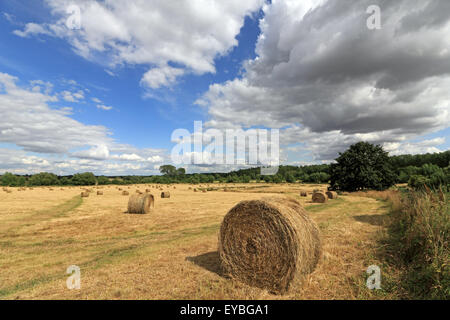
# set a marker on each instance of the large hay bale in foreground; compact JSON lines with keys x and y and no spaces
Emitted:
{"x":332,"y":195}
{"x":268,"y":243}
{"x":319,"y":197}
{"x":85,"y":194}
{"x":141,"y":203}
{"x":165,"y":194}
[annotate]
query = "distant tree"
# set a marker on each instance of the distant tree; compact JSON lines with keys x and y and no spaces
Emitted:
{"x":181,"y":171}
{"x":102,"y":180}
{"x":116,"y":181}
{"x":290,"y":178}
{"x":362,"y":166}
{"x":277,"y":179}
{"x":168,"y":170}
{"x":9,"y":179}
{"x":44,"y":179}
{"x":84,"y":179}
{"x":65,"y":181}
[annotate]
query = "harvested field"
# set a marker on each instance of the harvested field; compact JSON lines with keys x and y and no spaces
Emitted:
{"x":171,"y":253}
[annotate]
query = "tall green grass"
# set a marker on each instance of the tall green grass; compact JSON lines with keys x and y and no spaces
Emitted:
{"x":418,"y":240}
{"x":420,"y":233}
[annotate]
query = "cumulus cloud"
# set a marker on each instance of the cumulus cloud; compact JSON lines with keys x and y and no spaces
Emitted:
{"x":323,"y":74}
{"x":72,"y":96}
{"x":49,"y":140}
{"x":190,"y":34}
{"x":29,"y":122}
{"x":161,"y":77}
{"x":98,"y":153}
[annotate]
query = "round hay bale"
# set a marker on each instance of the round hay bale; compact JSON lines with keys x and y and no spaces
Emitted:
{"x":319,"y":197}
{"x":268,"y":243}
{"x":147,"y":190}
{"x":125,"y":193}
{"x":141,"y":203}
{"x":165,"y":194}
{"x":303,"y":194}
{"x":85,"y":194}
{"x":195,"y":190}
{"x":99,"y":193}
{"x":332,"y":195}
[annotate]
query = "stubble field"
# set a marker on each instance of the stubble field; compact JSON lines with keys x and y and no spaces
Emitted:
{"x":170,"y":253}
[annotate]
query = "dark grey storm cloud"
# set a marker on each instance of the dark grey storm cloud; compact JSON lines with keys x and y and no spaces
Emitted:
{"x":321,"y":70}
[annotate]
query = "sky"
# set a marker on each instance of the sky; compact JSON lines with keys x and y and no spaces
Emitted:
{"x":100,"y":86}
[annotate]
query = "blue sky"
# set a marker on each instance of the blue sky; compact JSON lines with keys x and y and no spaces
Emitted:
{"x":135,"y":117}
{"x":107,"y":97}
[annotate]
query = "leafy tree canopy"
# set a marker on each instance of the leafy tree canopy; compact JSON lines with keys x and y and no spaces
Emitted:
{"x":362,"y":166}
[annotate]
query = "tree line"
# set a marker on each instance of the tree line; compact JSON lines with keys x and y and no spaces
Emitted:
{"x":362,"y":166}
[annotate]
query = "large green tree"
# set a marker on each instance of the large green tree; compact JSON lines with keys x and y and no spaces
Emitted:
{"x":362,"y":166}
{"x":168,"y":170}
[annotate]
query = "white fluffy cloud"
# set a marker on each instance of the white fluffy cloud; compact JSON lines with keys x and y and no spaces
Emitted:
{"x":159,"y":77}
{"x":52,"y":141}
{"x":29,"y":122}
{"x":188,"y":33}
{"x":321,"y":72}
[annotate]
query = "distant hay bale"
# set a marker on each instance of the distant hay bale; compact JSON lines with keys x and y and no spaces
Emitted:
{"x":85,"y":194}
{"x":303,"y":194}
{"x":99,"y":193}
{"x":165,"y":194}
{"x":141,"y":203}
{"x":195,"y":190}
{"x":268,"y":243}
{"x":319,"y":197}
{"x":147,"y":190}
{"x":332,"y":195}
{"x":125,"y":193}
